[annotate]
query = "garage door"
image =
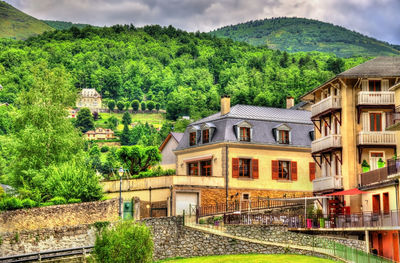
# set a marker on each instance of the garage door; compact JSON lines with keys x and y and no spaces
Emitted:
{"x":183,"y":201}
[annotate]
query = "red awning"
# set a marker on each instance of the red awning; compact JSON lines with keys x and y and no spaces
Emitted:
{"x":354,"y":191}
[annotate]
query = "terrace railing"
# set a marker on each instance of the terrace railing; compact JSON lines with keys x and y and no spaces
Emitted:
{"x":374,"y":176}
{"x":331,"y":102}
{"x":376,"y":138}
{"x":327,"y":142}
{"x":375,"y":98}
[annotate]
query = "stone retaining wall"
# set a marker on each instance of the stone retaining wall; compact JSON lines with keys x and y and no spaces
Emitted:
{"x":280,"y":234}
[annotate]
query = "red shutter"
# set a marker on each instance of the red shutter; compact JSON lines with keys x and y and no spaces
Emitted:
{"x":386,"y":209}
{"x":294,"y":171}
{"x":275,"y":170}
{"x":235,"y":167}
{"x":312,"y":171}
{"x":254,"y":167}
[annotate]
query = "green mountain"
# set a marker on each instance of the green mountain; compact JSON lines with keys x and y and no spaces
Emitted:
{"x":18,"y":25}
{"x":301,"y":34}
{"x":61,"y":25}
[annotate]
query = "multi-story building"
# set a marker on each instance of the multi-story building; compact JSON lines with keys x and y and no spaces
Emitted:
{"x":89,"y":98}
{"x":166,"y":149}
{"x":99,"y":134}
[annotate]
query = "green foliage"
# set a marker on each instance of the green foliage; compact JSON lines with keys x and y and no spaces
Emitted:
{"x":73,"y":179}
{"x":155,"y":172}
{"x":112,"y":122}
{"x":10,"y":203}
{"x":58,"y":200}
{"x":150,"y":105}
{"x":138,"y":158}
{"x":62,"y":25}
{"x":143,"y":106}
{"x":126,"y":118}
{"x":158,"y":106}
{"x":28,"y":203}
{"x":181,"y":124}
{"x":74,"y":200}
{"x":111,"y":105}
{"x":301,"y":34}
{"x":135,"y":105}
{"x":127,"y":242}
{"x":84,"y":120}
{"x":120,"y":105}
{"x":104,"y":149}
{"x":100,"y":225}
{"x":365,"y":164}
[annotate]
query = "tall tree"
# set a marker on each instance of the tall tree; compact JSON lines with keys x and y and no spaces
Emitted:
{"x":126,"y":118}
{"x":84,"y":120}
{"x":135,"y":105}
{"x":111,"y":105}
{"x":138,"y":158}
{"x":120,"y":105}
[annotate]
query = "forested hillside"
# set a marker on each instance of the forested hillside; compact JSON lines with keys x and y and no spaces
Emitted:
{"x":18,"y":25}
{"x":185,"y":72}
{"x":301,"y":34}
{"x":63,"y":25}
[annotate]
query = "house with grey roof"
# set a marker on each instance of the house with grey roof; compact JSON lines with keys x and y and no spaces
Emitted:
{"x":168,"y":158}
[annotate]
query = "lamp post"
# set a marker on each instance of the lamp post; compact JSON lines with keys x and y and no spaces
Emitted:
{"x":120,"y":173}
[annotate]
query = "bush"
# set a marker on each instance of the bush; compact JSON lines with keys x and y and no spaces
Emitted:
{"x":105,"y":149}
{"x":47,"y":204}
{"x":11,"y":203}
{"x":28,"y":203}
{"x":155,"y":172}
{"x":58,"y":200}
{"x":74,"y":200}
{"x":126,"y":242}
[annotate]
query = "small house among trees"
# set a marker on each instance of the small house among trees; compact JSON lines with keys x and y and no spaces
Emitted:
{"x":89,"y":98}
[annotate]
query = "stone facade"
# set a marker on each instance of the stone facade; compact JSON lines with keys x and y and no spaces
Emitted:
{"x":280,"y":234}
{"x":59,"y":216}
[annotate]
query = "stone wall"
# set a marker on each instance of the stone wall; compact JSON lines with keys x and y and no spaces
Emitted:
{"x":59,"y":216}
{"x":29,"y":241}
{"x":280,"y":234}
{"x":172,"y":239}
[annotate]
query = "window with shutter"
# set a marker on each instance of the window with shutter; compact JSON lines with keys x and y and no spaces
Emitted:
{"x":275,"y":170}
{"x":294,"y":171}
{"x":386,"y":209}
{"x":244,"y":168}
{"x":235,"y":167}
{"x":312,"y":171}
{"x":254,"y":167}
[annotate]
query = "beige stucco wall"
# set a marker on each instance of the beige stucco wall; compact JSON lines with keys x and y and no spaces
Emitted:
{"x":168,"y":156}
{"x":144,"y":195}
{"x":367,"y":198}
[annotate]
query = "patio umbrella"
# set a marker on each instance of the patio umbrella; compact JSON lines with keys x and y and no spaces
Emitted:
{"x":354,"y":191}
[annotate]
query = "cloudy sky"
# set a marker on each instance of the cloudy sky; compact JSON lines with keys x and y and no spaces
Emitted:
{"x":376,"y":18}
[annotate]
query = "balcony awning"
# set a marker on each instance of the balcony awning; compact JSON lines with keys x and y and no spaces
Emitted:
{"x":354,"y":191}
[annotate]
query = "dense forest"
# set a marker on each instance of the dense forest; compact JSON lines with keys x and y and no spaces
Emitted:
{"x":185,"y":72}
{"x":301,"y":34}
{"x":61,"y":25}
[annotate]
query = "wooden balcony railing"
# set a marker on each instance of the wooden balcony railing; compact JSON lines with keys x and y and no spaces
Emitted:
{"x":332,"y":102}
{"x":376,"y":138}
{"x":375,"y":98}
{"x":327,"y":142}
{"x":374,"y":176}
{"x":327,"y":183}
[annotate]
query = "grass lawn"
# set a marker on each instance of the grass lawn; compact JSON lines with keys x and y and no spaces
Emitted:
{"x":156,"y":119}
{"x":252,"y":258}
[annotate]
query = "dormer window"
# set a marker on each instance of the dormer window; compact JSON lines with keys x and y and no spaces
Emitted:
{"x":192,"y":139}
{"x":206,"y":136}
{"x":244,"y":134}
{"x":284,"y":137}
{"x":281,"y":133}
{"x":374,"y":85}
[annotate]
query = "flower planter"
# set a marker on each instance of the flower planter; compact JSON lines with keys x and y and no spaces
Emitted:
{"x":322,"y":222}
{"x":309,"y":223}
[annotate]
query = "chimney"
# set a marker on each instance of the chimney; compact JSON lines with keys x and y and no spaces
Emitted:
{"x":289,"y":102}
{"x":225,"y":104}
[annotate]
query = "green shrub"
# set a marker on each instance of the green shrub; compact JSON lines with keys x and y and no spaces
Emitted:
{"x":58,"y":200}
{"x":202,"y":221}
{"x":47,"y":204}
{"x":10,"y":203}
{"x":28,"y":203}
{"x":105,"y":149}
{"x":74,"y":200}
{"x":124,"y":243}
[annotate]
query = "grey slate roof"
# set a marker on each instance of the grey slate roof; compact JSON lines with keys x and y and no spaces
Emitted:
{"x":299,"y":105}
{"x":262,"y":119}
{"x":177,"y":135}
{"x":377,"y":67}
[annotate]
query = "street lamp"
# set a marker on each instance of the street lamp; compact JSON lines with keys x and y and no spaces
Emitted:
{"x":120,"y":173}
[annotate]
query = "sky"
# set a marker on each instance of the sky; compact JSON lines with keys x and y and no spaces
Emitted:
{"x":376,"y":18}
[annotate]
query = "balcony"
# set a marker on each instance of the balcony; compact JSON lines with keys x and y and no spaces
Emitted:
{"x":375,"y":98}
{"x":379,"y":138}
{"x":374,"y":176}
{"x":393,"y":121}
{"x":327,"y":183}
{"x":330,"y":103}
{"x":327,"y":142}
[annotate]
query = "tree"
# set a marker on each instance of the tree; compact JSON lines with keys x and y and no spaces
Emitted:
{"x":111,"y":105}
{"x":125,"y":135}
{"x":112,"y":122}
{"x":158,"y":105}
{"x":127,"y":105}
{"x":84,"y":120}
{"x":120,"y":105}
{"x":126,"y":118}
{"x":143,"y":106}
{"x":126,"y":242}
{"x":138,"y":158}
{"x":135,"y":105}
{"x":150,"y":105}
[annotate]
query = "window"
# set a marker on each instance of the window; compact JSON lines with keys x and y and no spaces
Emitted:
{"x":205,"y":168}
{"x":206,"y":136}
{"x":374,"y":85}
{"x":193,"y":168}
{"x":386,"y":209}
{"x":244,"y":167}
{"x":283,"y":137}
{"x":376,"y":204}
{"x":244,"y":134}
{"x":192,"y":138}
{"x":284,"y":170}
{"x":246,"y":197}
{"x":375,"y":120}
